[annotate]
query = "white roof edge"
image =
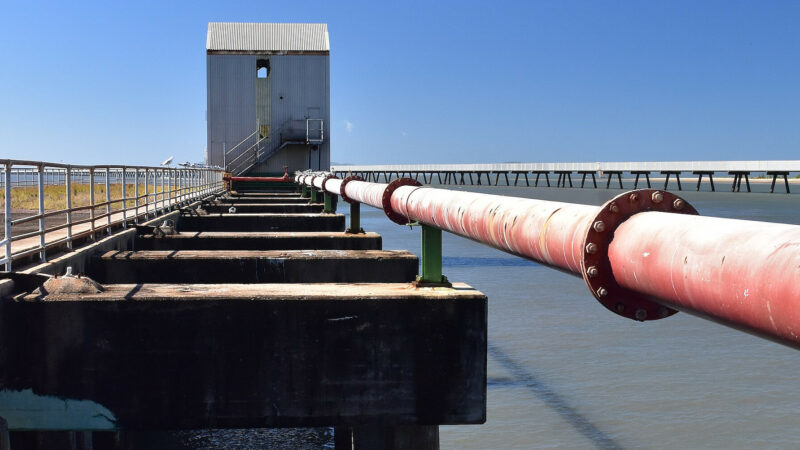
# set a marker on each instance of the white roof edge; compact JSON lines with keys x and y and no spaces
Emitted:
{"x":267,"y":37}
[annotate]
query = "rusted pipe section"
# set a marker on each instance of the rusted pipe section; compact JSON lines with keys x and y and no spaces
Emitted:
{"x":366,"y":192}
{"x":332,"y":185}
{"x":744,"y":274}
{"x":548,"y":232}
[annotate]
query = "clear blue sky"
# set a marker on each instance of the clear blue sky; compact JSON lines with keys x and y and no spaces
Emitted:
{"x":412,"y":82}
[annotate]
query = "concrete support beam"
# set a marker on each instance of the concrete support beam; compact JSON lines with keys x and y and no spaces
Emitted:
{"x":254,"y":266}
{"x":262,"y":222}
{"x":262,"y":194}
{"x":258,"y":200}
{"x":164,"y":357}
{"x":291,"y":208}
{"x":222,"y":240}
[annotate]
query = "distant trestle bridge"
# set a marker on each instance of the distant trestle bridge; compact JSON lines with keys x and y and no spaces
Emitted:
{"x":532,"y":174}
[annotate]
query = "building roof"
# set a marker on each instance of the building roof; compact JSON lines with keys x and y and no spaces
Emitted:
{"x":235,"y":37}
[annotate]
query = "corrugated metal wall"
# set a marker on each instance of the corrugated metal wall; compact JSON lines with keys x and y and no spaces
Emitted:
{"x":299,"y":85}
{"x":231,"y":114}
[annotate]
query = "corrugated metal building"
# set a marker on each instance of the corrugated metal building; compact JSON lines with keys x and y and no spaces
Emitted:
{"x":268,"y":96}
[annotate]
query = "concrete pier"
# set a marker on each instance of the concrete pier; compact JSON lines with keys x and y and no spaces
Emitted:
{"x":271,"y":316}
{"x":292,"y":208}
{"x":289,"y":240}
{"x":262,"y":222}
{"x":164,"y":356}
{"x":228,"y":200}
{"x":255,"y":266}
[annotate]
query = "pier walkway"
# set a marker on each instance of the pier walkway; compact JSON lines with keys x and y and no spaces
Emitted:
{"x":532,"y":174}
{"x":252,"y":311}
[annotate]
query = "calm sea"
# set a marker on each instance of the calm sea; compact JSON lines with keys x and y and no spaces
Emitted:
{"x":566,"y":373}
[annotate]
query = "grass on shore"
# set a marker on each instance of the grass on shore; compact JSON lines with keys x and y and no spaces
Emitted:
{"x":55,"y":197}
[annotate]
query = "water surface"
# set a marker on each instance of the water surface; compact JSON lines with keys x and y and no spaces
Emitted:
{"x":566,"y":373}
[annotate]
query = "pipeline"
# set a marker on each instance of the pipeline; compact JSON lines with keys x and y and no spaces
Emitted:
{"x":644,"y":254}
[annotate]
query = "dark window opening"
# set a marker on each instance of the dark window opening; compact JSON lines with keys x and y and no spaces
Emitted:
{"x":262,"y":68}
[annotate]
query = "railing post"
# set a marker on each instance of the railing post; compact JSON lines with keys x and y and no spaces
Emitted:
{"x":7,"y":218}
{"x":169,"y":188}
{"x":431,"y":255}
{"x":314,"y":198}
{"x":147,"y":189}
{"x":124,"y":204}
{"x":136,"y":196}
{"x":108,"y":201}
{"x":68,"y":183}
{"x":91,"y":202}
{"x":42,"y":226}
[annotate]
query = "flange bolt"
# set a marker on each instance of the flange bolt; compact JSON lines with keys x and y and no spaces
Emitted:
{"x":599,"y":226}
{"x":602,"y":292}
{"x":634,"y":197}
{"x":657,"y":197}
{"x":678,"y":204}
{"x":591,"y":248}
{"x":591,"y":271}
{"x":613,"y":207}
{"x":641,"y":314}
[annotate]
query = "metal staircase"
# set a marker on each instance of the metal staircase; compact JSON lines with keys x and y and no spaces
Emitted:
{"x":292,"y":132}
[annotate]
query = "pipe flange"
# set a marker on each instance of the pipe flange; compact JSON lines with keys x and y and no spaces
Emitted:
{"x":595,"y":265}
{"x":330,"y":175}
{"x":344,"y":183}
{"x":387,"y":199}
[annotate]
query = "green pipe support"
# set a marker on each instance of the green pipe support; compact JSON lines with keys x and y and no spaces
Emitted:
{"x":330,"y":203}
{"x":432,"y":256}
{"x":314,"y":198}
{"x":355,"y":219}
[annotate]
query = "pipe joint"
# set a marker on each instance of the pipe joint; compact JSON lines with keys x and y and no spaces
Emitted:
{"x":387,"y":199}
{"x":325,"y":180}
{"x":595,"y":264}
{"x":342,"y":190}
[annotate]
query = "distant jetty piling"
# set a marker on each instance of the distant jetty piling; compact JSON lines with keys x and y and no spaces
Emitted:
{"x":613,"y":172}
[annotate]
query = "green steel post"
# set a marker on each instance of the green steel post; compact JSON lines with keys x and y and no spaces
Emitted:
{"x":303,"y":191}
{"x":355,"y":218}
{"x":314,"y":195}
{"x":431,"y":255}
{"x":330,"y":201}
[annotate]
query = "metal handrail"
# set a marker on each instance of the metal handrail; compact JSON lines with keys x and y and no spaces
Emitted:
{"x":230,"y":167}
{"x":157,"y":190}
{"x":241,"y":142}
